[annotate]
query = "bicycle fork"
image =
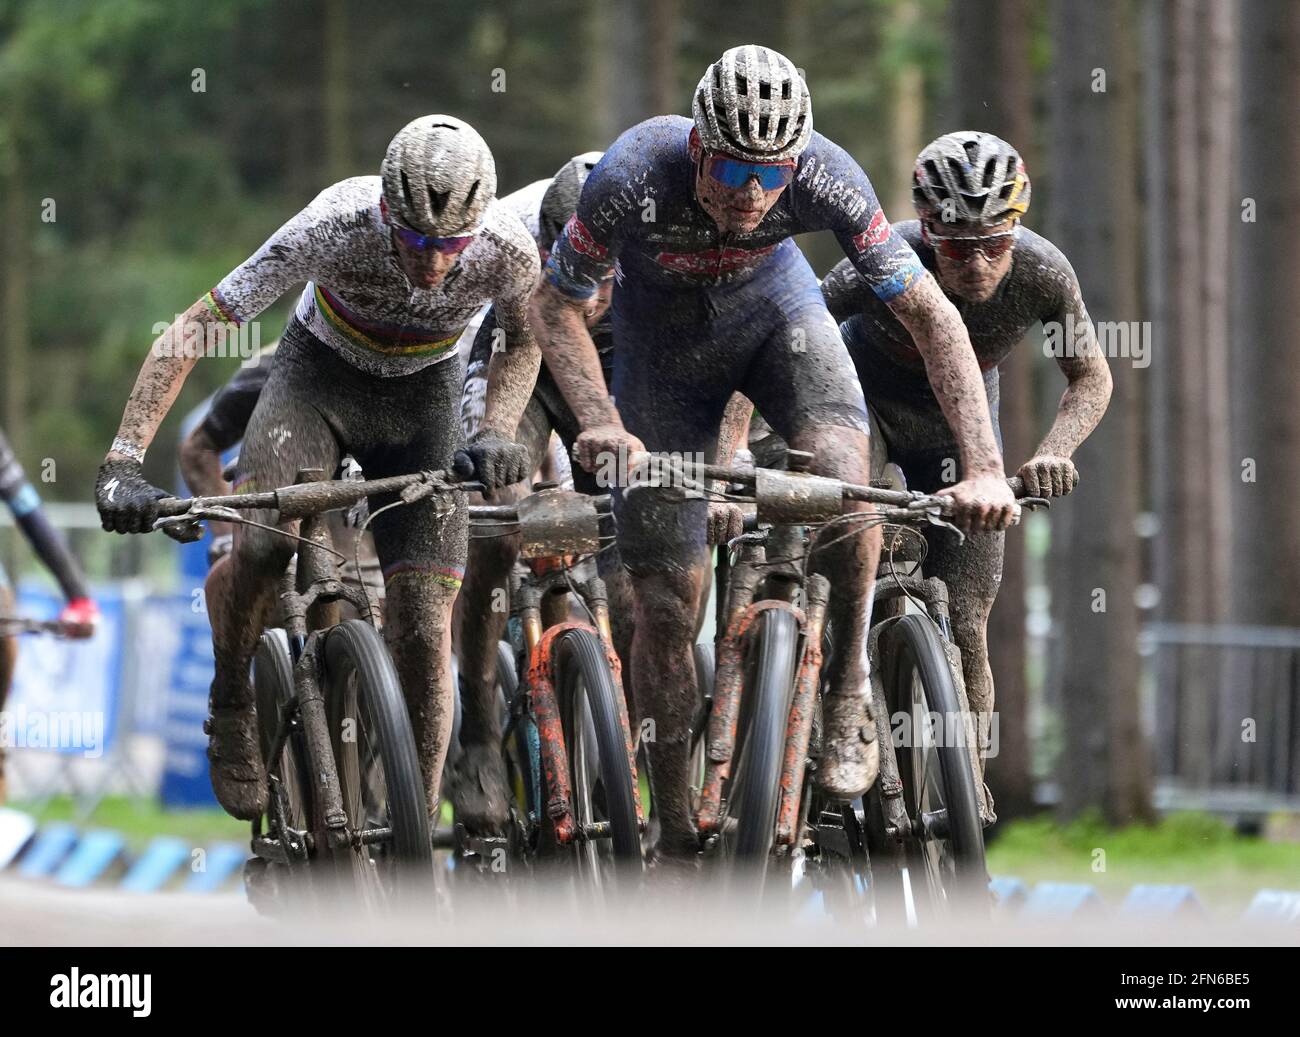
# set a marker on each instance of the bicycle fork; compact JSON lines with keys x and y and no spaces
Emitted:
{"x":540,"y":645}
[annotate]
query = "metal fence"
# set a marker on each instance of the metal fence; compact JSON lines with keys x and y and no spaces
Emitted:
{"x":1223,"y":705}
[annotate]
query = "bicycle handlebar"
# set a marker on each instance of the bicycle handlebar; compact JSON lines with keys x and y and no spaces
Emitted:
{"x":311,"y":498}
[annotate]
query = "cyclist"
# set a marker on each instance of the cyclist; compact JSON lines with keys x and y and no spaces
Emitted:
{"x":970,"y":191}
{"x":81,"y":611}
{"x":395,"y":266}
{"x":713,"y":296}
{"x":478,"y":784}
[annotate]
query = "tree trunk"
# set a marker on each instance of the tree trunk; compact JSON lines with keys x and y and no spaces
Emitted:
{"x":338,"y":57}
{"x":1266,"y":401}
{"x":664,"y":94}
{"x":1104,"y":763}
{"x":906,"y":130}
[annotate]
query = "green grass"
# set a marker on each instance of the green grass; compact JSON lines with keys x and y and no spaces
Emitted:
{"x":141,"y":818}
{"x":1225,"y":868}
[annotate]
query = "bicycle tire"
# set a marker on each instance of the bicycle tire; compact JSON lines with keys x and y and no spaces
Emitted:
{"x":917,"y":674}
{"x":583,"y":677}
{"x":272,"y":688}
{"x":377,"y":707}
{"x":522,"y":749}
{"x":760,"y":739}
{"x":705,"y":670}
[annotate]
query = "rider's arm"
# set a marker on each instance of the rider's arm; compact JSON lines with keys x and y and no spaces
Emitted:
{"x":582,"y":257}
{"x":733,"y":433}
{"x":285,"y":259}
{"x":512,"y":371}
{"x":21,"y":498}
{"x":572,"y":357}
{"x":1088,"y":388}
{"x":954,"y":374}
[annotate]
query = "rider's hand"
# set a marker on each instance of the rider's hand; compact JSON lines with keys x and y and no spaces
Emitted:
{"x":600,"y":445}
{"x":984,"y":504}
{"x":726,"y":522}
{"x":127,"y":501}
{"x":493,"y":459}
{"x":1048,"y":475}
{"x":82,"y":614}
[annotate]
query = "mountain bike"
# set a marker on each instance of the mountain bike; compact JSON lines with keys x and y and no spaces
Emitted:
{"x":346,"y":804}
{"x":917,"y":837}
{"x":567,"y":738}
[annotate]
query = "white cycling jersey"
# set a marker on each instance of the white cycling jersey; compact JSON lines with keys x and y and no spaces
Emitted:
{"x":358,"y":300}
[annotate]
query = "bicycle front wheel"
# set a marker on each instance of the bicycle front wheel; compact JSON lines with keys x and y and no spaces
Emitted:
{"x":755,"y":784}
{"x":604,"y":801}
{"x":378,"y":766}
{"x":944,"y":857}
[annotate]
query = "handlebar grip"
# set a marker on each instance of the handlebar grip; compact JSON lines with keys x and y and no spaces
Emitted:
{"x":1017,"y":485}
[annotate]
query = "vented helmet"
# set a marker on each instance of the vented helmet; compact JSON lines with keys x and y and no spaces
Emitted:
{"x":970,"y":177}
{"x":752,"y":103}
{"x":438,"y":176}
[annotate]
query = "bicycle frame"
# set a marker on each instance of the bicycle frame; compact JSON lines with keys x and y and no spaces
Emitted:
{"x":742,"y":612}
{"x":310,"y":592}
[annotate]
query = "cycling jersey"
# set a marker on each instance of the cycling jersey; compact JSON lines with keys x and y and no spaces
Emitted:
{"x":526,"y":203}
{"x":359,"y":302}
{"x":22,"y":499}
{"x":1040,"y":287}
{"x":639,"y":207}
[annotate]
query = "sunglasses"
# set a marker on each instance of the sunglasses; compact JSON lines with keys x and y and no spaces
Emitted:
{"x":734,"y":172}
{"x":428,"y":243}
{"x":964,"y":249}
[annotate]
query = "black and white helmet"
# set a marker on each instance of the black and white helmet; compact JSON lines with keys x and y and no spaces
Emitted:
{"x":561,"y":198}
{"x":439,"y":176}
{"x":970,"y":177}
{"x":752,"y":103}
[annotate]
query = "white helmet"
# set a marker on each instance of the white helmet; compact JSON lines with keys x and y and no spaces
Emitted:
{"x":752,"y":103}
{"x":438,"y":176}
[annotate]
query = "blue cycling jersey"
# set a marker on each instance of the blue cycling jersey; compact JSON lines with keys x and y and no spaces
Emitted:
{"x":638,"y":208}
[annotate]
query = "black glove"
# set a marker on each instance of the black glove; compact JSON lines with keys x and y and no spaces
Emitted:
{"x":127,"y":501}
{"x":492,"y":459}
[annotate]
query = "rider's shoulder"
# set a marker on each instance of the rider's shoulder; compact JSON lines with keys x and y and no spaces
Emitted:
{"x":1036,"y":254}
{"x":659,"y":139}
{"x":505,"y":232}
{"x":353,"y":202}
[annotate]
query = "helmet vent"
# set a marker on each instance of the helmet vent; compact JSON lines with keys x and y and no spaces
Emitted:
{"x":972,"y":150}
{"x":762,"y":125}
{"x":742,"y":84}
{"x":990,"y":170}
{"x":438,"y":200}
{"x":406,"y":191}
{"x":781,"y":124}
{"x":469,"y":196}
{"x":785,"y":90}
{"x":764,"y":91}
